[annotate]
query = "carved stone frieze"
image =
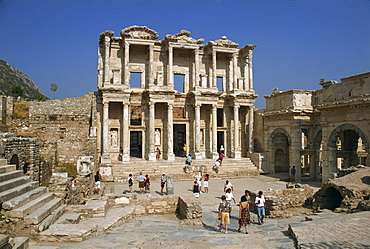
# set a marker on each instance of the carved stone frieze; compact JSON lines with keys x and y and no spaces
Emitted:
{"x":224,"y":42}
{"x":183,"y":37}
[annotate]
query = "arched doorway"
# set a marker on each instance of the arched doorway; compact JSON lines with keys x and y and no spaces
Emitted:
{"x":15,"y":160}
{"x":280,"y":145}
{"x":350,"y":145}
{"x":333,"y":199}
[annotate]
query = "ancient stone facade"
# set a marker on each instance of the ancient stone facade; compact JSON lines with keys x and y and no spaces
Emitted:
{"x":167,"y":93}
{"x":320,"y":132}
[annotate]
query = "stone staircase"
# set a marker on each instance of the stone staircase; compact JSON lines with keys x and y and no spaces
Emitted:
{"x":29,"y":207}
{"x":230,"y":167}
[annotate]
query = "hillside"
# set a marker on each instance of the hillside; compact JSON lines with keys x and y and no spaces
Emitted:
{"x":10,"y":76}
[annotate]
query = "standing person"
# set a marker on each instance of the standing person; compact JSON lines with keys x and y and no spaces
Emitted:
{"x":141,"y":180}
{"x":245,"y":197}
{"x":205,"y":183}
{"x":217,"y":166}
{"x":198,"y":177}
{"x":224,"y":210}
{"x":130,"y":181}
{"x":189,"y":160}
{"x":228,"y":185}
{"x":195,"y":189}
{"x":163,"y":182}
{"x":230,"y":197}
{"x":222,"y":150}
{"x":244,"y":215}
{"x":147,"y":184}
{"x":97,"y":179}
{"x":184,"y":149}
{"x":261,"y":205}
{"x":158,"y":153}
{"x":292,"y":174}
{"x":221,"y":158}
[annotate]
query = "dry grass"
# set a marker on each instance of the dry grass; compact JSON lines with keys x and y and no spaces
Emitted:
{"x":21,"y":109}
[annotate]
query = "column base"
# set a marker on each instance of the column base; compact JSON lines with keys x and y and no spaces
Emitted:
{"x":237,"y":155}
{"x":125,"y":158}
{"x":215,"y":155}
{"x":170,"y":157}
{"x":105,"y":159}
{"x":151,"y":157}
{"x":197,"y":155}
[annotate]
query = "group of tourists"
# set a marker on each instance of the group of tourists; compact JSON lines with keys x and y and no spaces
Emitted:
{"x":225,"y":207}
{"x":144,"y":183}
{"x":199,"y":183}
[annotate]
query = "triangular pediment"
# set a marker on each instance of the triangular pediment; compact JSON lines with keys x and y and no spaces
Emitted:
{"x":139,"y":32}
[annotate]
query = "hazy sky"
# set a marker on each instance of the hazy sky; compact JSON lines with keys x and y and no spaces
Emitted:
{"x":298,"y":42}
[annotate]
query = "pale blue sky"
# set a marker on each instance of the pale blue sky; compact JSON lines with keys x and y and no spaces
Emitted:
{"x":298,"y":42}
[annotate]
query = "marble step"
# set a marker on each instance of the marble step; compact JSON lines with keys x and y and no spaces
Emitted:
{"x":23,"y":194}
{"x":30,"y":207}
{"x":3,"y":162}
{"x":6,"y":185}
{"x":54,"y":216}
{"x":7,"y":168}
{"x":21,"y":243}
{"x":42,"y":212}
{"x":10,"y":175}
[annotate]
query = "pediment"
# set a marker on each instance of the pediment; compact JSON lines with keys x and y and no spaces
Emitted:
{"x":224,"y":42}
{"x":183,"y":37}
{"x":139,"y":32}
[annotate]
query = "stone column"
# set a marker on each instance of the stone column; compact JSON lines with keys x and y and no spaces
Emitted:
{"x":126,"y":133}
{"x":250,"y":70}
{"x":151,"y":64}
{"x":105,"y":157}
{"x":250,"y":131}
{"x":197,"y":131}
{"x":150,"y":132}
{"x":106,"y":59}
{"x":196,"y":67}
{"x":237,"y":153}
{"x":170,"y":154}
{"x":246,"y":74}
{"x":294,"y":151}
{"x":170,"y":66}
{"x":214,"y":132}
{"x":235,"y":67}
{"x":126,"y":63}
{"x":214,"y":68}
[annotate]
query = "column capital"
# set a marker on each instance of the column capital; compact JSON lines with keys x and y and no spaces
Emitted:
{"x":214,"y":106}
{"x":236,"y":105}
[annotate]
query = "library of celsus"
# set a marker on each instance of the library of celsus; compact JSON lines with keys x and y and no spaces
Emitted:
{"x":173,"y":93}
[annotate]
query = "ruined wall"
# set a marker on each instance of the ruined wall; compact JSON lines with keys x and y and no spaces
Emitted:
{"x":65,"y":127}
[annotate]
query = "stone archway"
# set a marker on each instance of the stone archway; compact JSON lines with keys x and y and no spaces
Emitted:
{"x":344,"y":141}
{"x":333,"y":199}
{"x":280,"y":142}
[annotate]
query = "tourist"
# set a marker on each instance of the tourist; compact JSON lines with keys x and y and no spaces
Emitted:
{"x":163,"y":182}
{"x":261,"y":205}
{"x":97,"y":179}
{"x":244,"y":215}
{"x":220,"y":158}
{"x":205,"y":183}
{"x":130,"y":181}
{"x":228,"y":185}
{"x":189,"y":160}
{"x":158,"y":153}
{"x":222,"y":150}
{"x":230,"y":197}
{"x":245,"y":197}
{"x":224,"y":210}
{"x":184,"y":149}
{"x":141,"y":180}
{"x":216,"y":167}
{"x":120,"y":155}
{"x":147,"y":184}
{"x":195,"y":189}
{"x":198,"y":177}
{"x":292,"y":174}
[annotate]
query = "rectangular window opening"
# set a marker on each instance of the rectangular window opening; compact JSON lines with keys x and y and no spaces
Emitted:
{"x":179,"y":80}
{"x":135,"y":80}
{"x":220,"y":84}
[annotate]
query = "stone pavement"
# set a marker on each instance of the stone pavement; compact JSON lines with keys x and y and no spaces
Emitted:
{"x":166,"y":231}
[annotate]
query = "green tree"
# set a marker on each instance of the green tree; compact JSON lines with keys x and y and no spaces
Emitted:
{"x":17,"y":90}
{"x":53,"y":88}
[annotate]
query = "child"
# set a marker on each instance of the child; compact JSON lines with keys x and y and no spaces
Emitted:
{"x":130,"y":181}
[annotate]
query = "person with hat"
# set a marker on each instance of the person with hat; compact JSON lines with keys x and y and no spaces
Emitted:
{"x":163,"y":182}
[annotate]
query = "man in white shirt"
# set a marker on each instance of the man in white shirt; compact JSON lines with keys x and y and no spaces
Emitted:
{"x":261,"y":205}
{"x":230,"y":197}
{"x":228,"y":185}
